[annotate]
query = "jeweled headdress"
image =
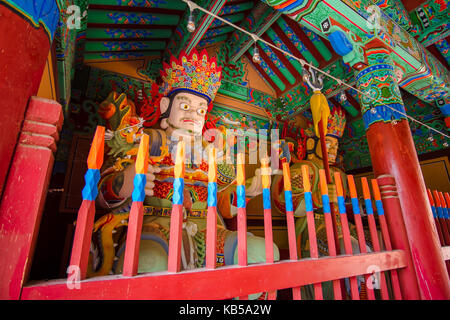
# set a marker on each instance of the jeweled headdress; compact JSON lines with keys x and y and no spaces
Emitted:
{"x":336,"y":123}
{"x":194,"y":72}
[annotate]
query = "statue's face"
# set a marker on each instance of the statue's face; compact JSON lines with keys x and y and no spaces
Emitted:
{"x":188,"y":113}
{"x":332,"y":145}
{"x":332,"y":148}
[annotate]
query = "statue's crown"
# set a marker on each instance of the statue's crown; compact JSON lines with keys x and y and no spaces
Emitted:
{"x":194,"y":72}
{"x":336,"y":122}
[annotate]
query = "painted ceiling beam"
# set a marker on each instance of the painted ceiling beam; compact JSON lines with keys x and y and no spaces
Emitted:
{"x":135,"y":9}
{"x":174,"y":5}
{"x":236,"y":8}
{"x":263,"y":73}
{"x":438,"y":54}
{"x":131,"y":18}
{"x":421,"y":73}
{"x":261,"y":31}
{"x":272,"y":66}
{"x":114,"y":55}
{"x":305,"y":40}
{"x":443,"y":47}
{"x":264,"y":66}
{"x":210,"y":41}
{"x":355,"y":104}
{"x":98,"y":46}
{"x":122,"y":33}
{"x":317,"y":42}
{"x":203,"y":26}
{"x":284,"y":60}
{"x":130,"y":26}
{"x":276,"y":35}
{"x":285,"y":32}
{"x":233,"y":18}
{"x":217,"y":32}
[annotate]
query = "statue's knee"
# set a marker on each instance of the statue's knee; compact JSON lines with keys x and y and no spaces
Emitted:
{"x":256,"y":250}
{"x":153,"y":257}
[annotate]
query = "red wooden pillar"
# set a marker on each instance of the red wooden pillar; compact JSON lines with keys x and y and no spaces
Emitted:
{"x":398,"y":234}
{"x":23,"y":51}
{"x":393,"y":153}
{"x":25,"y":193}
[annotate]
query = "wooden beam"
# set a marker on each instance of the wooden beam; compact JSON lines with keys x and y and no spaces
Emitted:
{"x":166,"y":40}
{"x":327,"y":44}
{"x":263,"y":29}
{"x":263,"y":73}
{"x":204,"y":25}
{"x":130,"y":26}
{"x":292,"y":48}
{"x":438,"y":55}
{"x":284,"y":60}
{"x":272,"y":66}
{"x":136,"y":9}
{"x":352,"y":101}
{"x":201,"y":284}
{"x":306,"y":41}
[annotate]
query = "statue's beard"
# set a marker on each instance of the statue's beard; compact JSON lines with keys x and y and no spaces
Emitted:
{"x":321,"y":158}
{"x":189,"y":132}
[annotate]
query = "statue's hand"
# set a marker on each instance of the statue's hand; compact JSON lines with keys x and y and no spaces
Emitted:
{"x":151,"y":179}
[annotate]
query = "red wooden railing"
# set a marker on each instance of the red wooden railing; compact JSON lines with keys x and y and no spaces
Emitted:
{"x":243,"y":279}
{"x":440,"y":206}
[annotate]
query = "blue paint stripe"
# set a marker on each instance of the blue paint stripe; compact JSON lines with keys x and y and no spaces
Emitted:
{"x":212,"y":194}
{"x":439,"y":212}
{"x":433,"y":209}
{"x":138,"y":194}
{"x":446,"y":213}
{"x":240,"y":193}
{"x":355,"y":205}
{"x":326,"y":203}
{"x":369,"y":208}
{"x":379,"y":205}
{"x":341,"y":204}
{"x":308,"y":201}
{"x":90,"y":190}
{"x":288,"y":200}
{"x":178,"y":187}
{"x":266,"y":198}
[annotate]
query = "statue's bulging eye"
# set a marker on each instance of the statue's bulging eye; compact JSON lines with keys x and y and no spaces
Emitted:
{"x":201,"y":112}
{"x":184,"y":106}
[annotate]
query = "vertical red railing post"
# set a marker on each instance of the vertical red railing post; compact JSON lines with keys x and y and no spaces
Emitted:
{"x":399,"y":238}
{"x":386,"y":237}
{"x":25,"y":189}
{"x":329,"y":228}
{"x":359,"y":229}
{"x":242,"y":212}
{"x":443,"y":219}
{"x":447,"y":200}
{"x":211,"y":219}
{"x":86,"y":214}
{"x":374,"y":234}
{"x":296,"y":292}
{"x":176,"y":218}
{"x":434,"y":210}
{"x":345,"y":230}
{"x":268,"y":233}
{"x":131,"y":259}
{"x":313,"y":249}
{"x":327,"y":171}
{"x":444,"y":225}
